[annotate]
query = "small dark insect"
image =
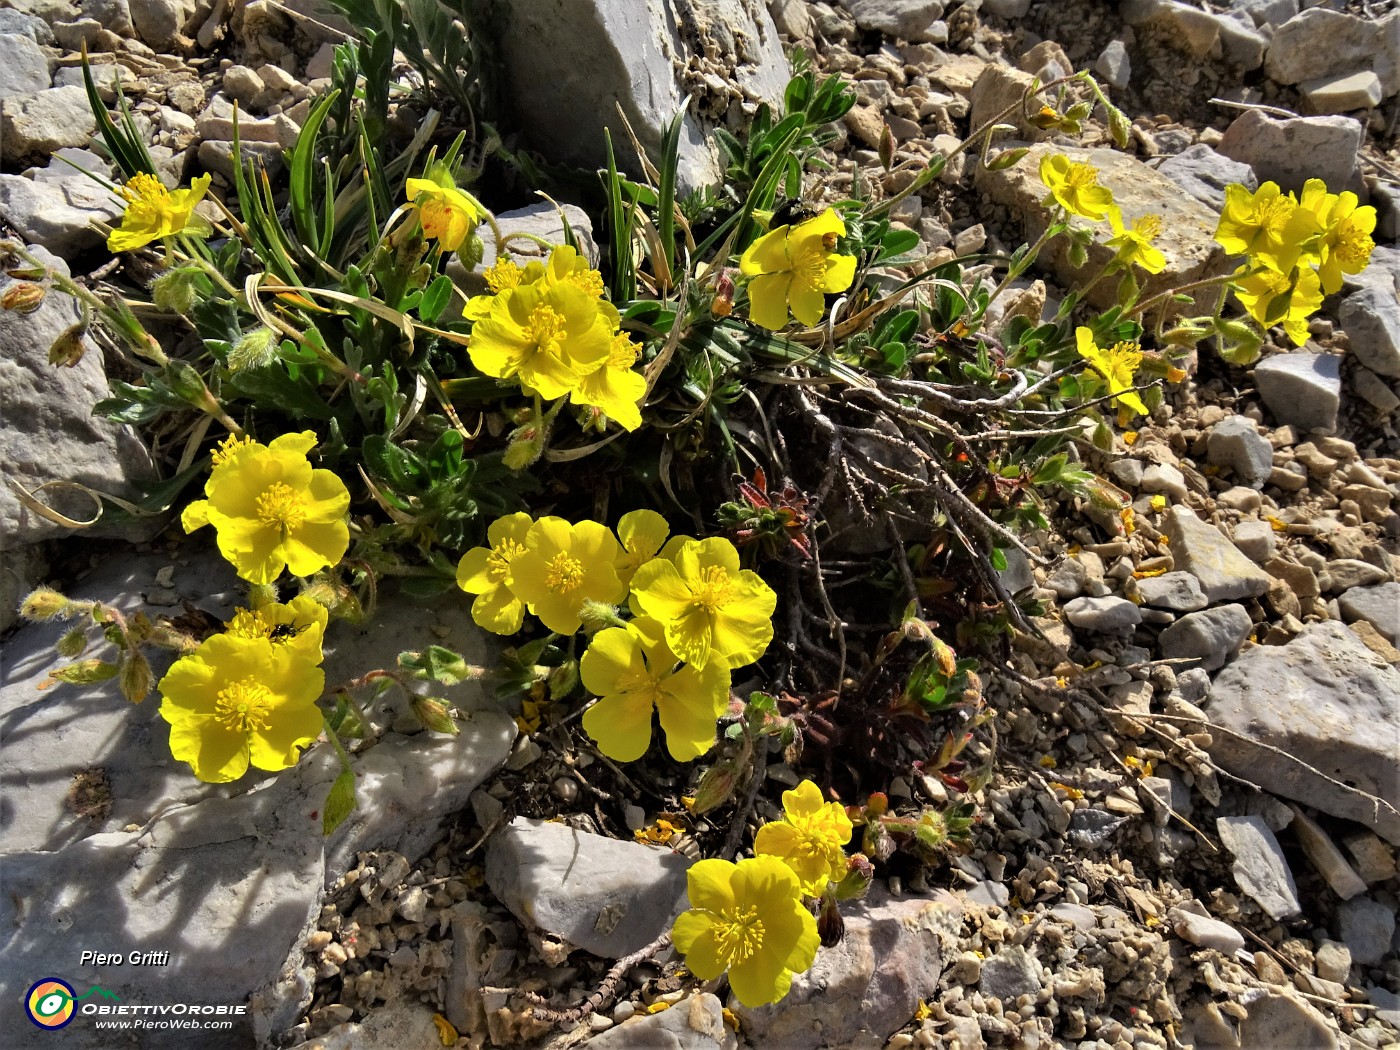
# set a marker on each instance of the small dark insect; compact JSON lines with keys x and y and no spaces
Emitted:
{"x":791,"y":211}
{"x":283,"y":631}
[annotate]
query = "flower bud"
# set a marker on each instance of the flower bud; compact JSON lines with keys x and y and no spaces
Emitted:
{"x":525,"y":448}
{"x":471,"y":251}
{"x":860,"y":872}
{"x":885,"y":148}
{"x":135,"y":678}
{"x":23,"y":297}
{"x":72,"y":643}
{"x":68,"y":349}
{"x":831,"y":927}
{"x":723,"y":303}
{"x":44,"y":603}
{"x":175,"y":290}
{"x":435,"y":715}
{"x":716,"y":786}
{"x":597,"y":615}
{"x":253,"y":350}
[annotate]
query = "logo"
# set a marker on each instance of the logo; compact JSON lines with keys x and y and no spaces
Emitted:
{"x":51,"y":1002}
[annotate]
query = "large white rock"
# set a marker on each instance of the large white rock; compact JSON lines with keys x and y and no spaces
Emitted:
{"x":24,"y":68}
{"x":1260,"y":868}
{"x":604,"y":895}
{"x":1300,"y":388}
{"x":1315,"y":721}
{"x":868,"y":985}
{"x":1201,"y":549}
{"x":47,"y":429}
{"x":226,"y":878}
{"x":566,"y":67}
{"x":694,"y":1023}
{"x":1292,"y":150}
{"x":58,"y":213}
{"x":1318,"y":43}
{"x":1371,"y":320}
{"x":32,"y":126}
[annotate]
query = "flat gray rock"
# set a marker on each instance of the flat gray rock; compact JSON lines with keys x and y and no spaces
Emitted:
{"x":1318,"y":43}
{"x":37,"y":124}
{"x":1371,"y":320}
{"x":24,"y":68}
{"x":1222,"y":570}
{"x":1378,"y":605}
{"x":1235,"y":442}
{"x":1292,"y":150}
{"x":1302,"y":389}
{"x":226,"y":878}
{"x":694,"y":1023}
{"x":1177,"y":591}
{"x":56,"y":437}
{"x":1204,"y":174}
{"x":1366,"y":927}
{"x":58,"y":214}
{"x":1211,"y":636}
{"x":1260,"y":869}
{"x":1322,"y":706}
{"x":867,"y":986}
{"x":1102,"y":614}
{"x":634,"y":53}
{"x":603,"y":895}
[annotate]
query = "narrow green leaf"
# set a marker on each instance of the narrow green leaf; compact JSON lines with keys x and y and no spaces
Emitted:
{"x":340,"y":802}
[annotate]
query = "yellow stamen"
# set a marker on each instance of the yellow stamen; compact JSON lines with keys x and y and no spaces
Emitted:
{"x":243,"y":707}
{"x":248,"y":623}
{"x":714,"y":589}
{"x":545,"y":328}
{"x":281,"y":505}
{"x":498,"y":561}
{"x":503,"y":275}
{"x":563,"y":573}
{"x":229,"y":448}
{"x":738,"y":934}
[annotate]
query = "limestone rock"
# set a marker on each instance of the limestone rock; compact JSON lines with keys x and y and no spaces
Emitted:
{"x":1102,"y":614}
{"x":1280,"y":1019}
{"x":996,"y":88}
{"x":1206,"y":932}
{"x":1303,"y":389}
{"x":1187,"y":228}
{"x":1009,"y":974}
{"x":34,"y":125}
{"x":21,"y":570}
{"x":24,"y":69}
{"x":1342,"y":92}
{"x":868,"y":985}
{"x":603,"y":895}
{"x":654,"y":58}
{"x":1292,"y":150}
{"x":158,"y":22}
{"x":1377,"y":604}
{"x":1318,"y":43}
{"x":1199,"y":548}
{"x":1366,"y":926}
{"x":903,"y":19}
{"x":58,"y":213}
{"x":694,"y":1023}
{"x":1177,"y":591}
{"x":1323,"y":701}
{"x":1260,"y":868}
{"x":1236,"y":443}
{"x":227,"y":877}
{"x":1204,"y":174}
{"x":1371,"y":320}
{"x":56,"y":437}
{"x":1211,"y":636}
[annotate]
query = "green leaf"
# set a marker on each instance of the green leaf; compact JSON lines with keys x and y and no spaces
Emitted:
{"x":998,"y":559}
{"x":340,"y":802}
{"x":897,"y":242}
{"x":271,"y":385}
{"x":435,"y":299}
{"x":666,"y":202}
{"x":301,"y":162}
{"x":438,"y":664}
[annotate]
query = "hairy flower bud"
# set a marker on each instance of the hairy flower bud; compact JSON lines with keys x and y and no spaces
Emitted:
{"x":44,"y":603}
{"x":134,"y":677}
{"x":72,"y":643}
{"x":723,"y":303}
{"x":253,"y":350}
{"x":435,"y":715}
{"x":23,"y":297}
{"x":860,"y":872}
{"x":175,"y":290}
{"x":886,"y":147}
{"x":68,"y":349}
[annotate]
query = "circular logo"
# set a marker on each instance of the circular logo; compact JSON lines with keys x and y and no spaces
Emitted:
{"x":50,"y":1003}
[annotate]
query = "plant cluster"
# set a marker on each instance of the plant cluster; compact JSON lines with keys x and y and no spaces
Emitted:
{"x":383,"y":421}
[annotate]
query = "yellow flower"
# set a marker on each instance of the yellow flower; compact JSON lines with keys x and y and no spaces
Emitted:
{"x":1266,"y":225}
{"x":747,"y":918}
{"x":565,"y":266}
{"x":236,"y":701}
{"x":1272,"y":298}
{"x":1345,"y":245}
{"x":563,"y":566}
{"x":153,"y":212}
{"x":642,"y":533}
{"x":1116,"y":366}
{"x":549,"y":335}
{"x":485,"y":572}
{"x":809,"y":839}
{"x":448,"y":215}
{"x":1134,"y":244}
{"x":298,"y":625}
{"x":709,"y":606}
{"x":616,"y":388}
{"x":1075,"y":187}
{"x":795,"y":266}
{"x":272,"y":511}
{"x":633,"y":670}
